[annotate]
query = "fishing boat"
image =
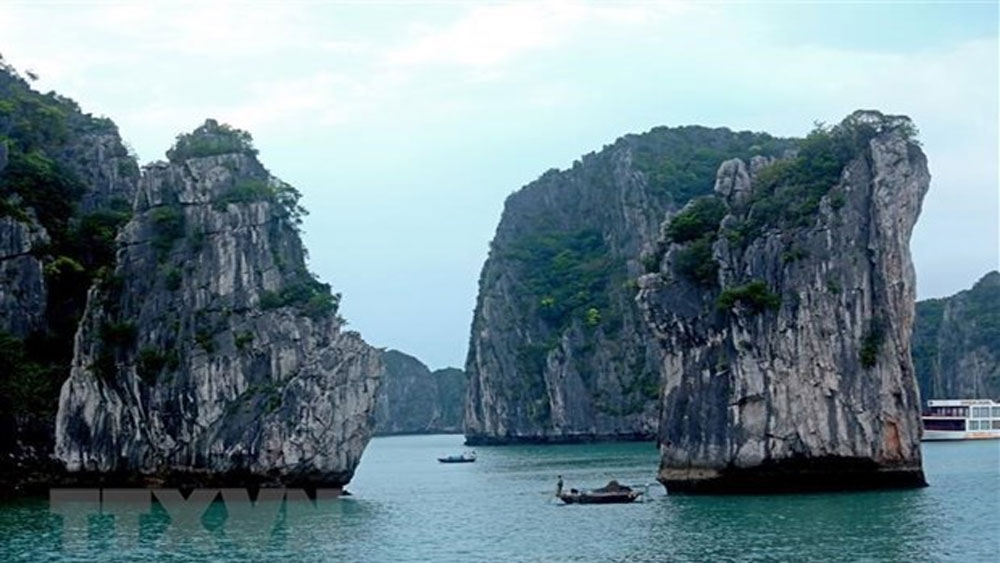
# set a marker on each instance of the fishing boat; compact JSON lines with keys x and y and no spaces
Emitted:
{"x":961,"y":419}
{"x":463,"y":458}
{"x":612,"y":493}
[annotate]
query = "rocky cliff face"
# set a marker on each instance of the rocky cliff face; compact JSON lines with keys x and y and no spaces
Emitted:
{"x":415,"y":400}
{"x":66,"y":184}
{"x":783,"y":307}
{"x":64,"y":175}
{"x":210,"y":352}
{"x":956,"y":343}
{"x":22,"y":276}
{"x":558,"y":351}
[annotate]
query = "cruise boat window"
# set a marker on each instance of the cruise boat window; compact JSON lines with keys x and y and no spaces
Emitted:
{"x":973,"y":425}
{"x":996,"y":424}
{"x":948,"y":425}
{"x":996,"y":412}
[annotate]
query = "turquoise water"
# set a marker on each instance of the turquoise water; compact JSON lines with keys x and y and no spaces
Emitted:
{"x":408,"y":507}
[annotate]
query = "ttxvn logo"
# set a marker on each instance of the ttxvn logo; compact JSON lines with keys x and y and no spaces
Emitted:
{"x":204,"y":519}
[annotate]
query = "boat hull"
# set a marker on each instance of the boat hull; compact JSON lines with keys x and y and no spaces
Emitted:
{"x":948,"y":435}
{"x":599,"y":498}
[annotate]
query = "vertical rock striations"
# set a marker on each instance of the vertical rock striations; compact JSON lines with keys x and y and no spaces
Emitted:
{"x":956,"y":343}
{"x":784,"y":307}
{"x":211,"y":353}
{"x":415,"y":400}
{"x":558,"y":350}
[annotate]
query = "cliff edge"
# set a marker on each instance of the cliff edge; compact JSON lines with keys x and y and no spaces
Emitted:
{"x":210,"y":354}
{"x":783,"y":307}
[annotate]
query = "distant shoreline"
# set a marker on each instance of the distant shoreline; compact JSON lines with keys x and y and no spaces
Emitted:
{"x":423,"y":433}
{"x":556,"y":440}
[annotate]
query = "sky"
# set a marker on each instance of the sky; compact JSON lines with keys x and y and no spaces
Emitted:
{"x":406,"y":124}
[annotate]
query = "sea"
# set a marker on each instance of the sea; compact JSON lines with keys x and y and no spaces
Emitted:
{"x":405,"y":506}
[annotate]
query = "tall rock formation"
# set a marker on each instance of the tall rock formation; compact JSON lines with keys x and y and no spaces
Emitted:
{"x":415,"y":400}
{"x":783,"y":306}
{"x":66,"y":184}
{"x":956,"y":343}
{"x":558,"y":350}
{"x":210,"y":353}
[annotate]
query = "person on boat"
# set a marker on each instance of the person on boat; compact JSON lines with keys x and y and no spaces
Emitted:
{"x":559,"y":486}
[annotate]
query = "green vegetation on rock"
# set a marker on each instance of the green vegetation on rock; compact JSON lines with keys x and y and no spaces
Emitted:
{"x":956,"y":343}
{"x":696,"y":227}
{"x":45,"y":138}
{"x":44,"y":185}
{"x":246,"y":190}
{"x":211,"y":139}
{"x":681,"y":162}
{"x":250,"y":190}
{"x":168,"y":228}
{"x":562,"y":274}
{"x":172,"y":278}
{"x":871,"y":343}
{"x":699,"y":218}
{"x":787,"y":193}
{"x":94,"y":235}
{"x":242,"y":339}
{"x":150,"y":362}
{"x":695,"y":262}
{"x":308,"y":294}
{"x":755,"y":296}
{"x":206,"y":340}
{"x":566,"y":273}
{"x":117,"y":340}
{"x":27,"y":385}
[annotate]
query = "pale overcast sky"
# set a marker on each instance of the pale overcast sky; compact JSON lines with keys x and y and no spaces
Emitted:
{"x":405,"y":125}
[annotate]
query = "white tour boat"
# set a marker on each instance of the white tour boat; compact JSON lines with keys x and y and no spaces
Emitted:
{"x":961,"y":419}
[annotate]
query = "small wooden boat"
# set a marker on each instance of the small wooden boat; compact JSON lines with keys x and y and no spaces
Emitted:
{"x":612,"y":493}
{"x":589,"y":497}
{"x":464,"y":458}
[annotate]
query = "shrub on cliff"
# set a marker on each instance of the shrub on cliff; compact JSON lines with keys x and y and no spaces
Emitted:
{"x":249,"y":190}
{"x":697,"y":219}
{"x":755,"y":296}
{"x":695,"y":262}
{"x":168,"y":227}
{"x":311,"y":296}
{"x":210,"y":139}
{"x":788,"y":192}
{"x":696,"y":227}
{"x":871,"y":343}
